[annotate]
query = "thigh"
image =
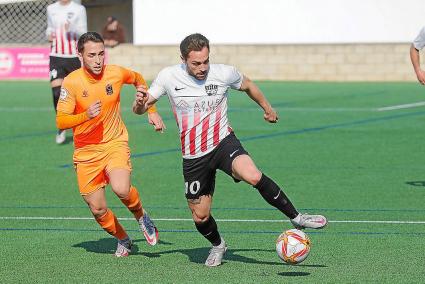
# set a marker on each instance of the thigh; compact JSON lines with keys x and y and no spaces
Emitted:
{"x":119,"y":180}
{"x":90,"y":169}
{"x":118,"y":157}
{"x":243,"y":168}
{"x":56,"y":68}
{"x":199,"y":177}
{"x":71,"y":64}
{"x":227,"y":151}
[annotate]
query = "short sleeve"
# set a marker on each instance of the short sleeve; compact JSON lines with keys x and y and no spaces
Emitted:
{"x":66,"y":103}
{"x":419,"y":41}
{"x":232,"y":77}
{"x":157,"y":88}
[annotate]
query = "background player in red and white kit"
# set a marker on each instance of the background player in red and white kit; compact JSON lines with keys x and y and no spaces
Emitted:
{"x":198,"y":93}
{"x":418,"y":44}
{"x":66,"y":22}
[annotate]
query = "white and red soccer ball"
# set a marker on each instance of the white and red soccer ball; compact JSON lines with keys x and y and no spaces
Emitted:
{"x":293,"y":246}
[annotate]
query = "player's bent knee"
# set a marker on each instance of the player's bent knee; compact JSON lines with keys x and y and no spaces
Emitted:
{"x":200,"y":218}
{"x":253,"y":177}
{"x":98,"y":211}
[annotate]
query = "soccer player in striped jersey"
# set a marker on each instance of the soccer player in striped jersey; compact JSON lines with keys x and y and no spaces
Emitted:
{"x":66,"y":22}
{"x":198,"y":93}
{"x":418,"y":44}
{"x":90,"y":103}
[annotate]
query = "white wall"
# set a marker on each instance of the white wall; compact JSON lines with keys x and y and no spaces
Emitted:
{"x":278,"y":21}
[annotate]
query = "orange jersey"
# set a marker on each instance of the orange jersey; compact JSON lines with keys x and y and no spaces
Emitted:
{"x":81,"y":89}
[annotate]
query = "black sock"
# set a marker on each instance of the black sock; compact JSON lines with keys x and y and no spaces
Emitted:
{"x":209,"y":230}
{"x":56,"y":91}
{"x":271,"y":192}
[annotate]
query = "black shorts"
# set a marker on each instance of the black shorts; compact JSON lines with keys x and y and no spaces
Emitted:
{"x":199,"y":173}
{"x":60,"y":67}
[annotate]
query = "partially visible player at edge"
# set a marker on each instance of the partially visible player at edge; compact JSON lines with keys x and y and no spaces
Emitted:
{"x":418,"y":44}
{"x":90,"y":104}
{"x":198,"y":93}
{"x":66,"y":22}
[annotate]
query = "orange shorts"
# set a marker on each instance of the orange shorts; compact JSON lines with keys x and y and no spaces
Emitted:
{"x":92,"y":164}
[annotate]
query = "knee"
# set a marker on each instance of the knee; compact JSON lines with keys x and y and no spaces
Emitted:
{"x":254,"y":178}
{"x":98,"y":211}
{"x":122,"y":191}
{"x":200,"y":218}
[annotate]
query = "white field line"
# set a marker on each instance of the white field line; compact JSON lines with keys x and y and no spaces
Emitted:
{"x":412,"y":105}
{"x":220,"y":220}
{"x":300,"y":109}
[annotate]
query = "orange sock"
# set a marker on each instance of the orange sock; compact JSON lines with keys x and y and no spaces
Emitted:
{"x":133,"y":203}
{"x":110,"y":224}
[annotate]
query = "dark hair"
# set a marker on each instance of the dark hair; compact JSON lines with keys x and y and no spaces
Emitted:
{"x":88,"y":36}
{"x":193,"y":42}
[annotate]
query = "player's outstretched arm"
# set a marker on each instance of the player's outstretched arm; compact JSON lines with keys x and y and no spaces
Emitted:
{"x":257,"y":96}
{"x":414,"y":57}
{"x":66,"y":121}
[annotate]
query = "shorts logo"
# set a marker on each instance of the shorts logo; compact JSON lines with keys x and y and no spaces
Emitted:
{"x":53,"y":73}
{"x":109,"y":90}
{"x":233,"y":153}
{"x":85,"y":94}
{"x":64,"y":94}
{"x":211,"y":90}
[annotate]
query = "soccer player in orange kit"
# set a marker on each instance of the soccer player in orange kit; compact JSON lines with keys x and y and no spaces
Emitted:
{"x":90,"y":104}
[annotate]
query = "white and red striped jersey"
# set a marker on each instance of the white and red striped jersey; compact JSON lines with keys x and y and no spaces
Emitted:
{"x":199,"y":107}
{"x":419,"y":41}
{"x":59,"y":16}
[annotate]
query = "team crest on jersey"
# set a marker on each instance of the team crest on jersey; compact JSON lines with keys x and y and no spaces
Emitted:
{"x":85,"y":94}
{"x":64,"y":94}
{"x":70,"y":15}
{"x":211,"y":90}
{"x":109,"y":90}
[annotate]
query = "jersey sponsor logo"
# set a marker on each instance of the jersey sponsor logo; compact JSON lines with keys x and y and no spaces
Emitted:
{"x":109,"y":90}
{"x":64,"y":94}
{"x":211,"y":90}
{"x":182,"y":105}
{"x":179,"y":89}
{"x":85,"y":94}
{"x":207,"y":105}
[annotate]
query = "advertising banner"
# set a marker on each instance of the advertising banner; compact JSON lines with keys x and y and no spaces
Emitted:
{"x":24,"y":63}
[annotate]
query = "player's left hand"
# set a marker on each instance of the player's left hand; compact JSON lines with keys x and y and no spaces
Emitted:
{"x":271,"y":116}
{"x":156,"y":120}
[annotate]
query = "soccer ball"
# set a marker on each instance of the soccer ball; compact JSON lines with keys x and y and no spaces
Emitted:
{"x":293,"y":246}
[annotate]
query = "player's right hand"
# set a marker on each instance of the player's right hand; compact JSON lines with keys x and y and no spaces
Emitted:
{"x":271,"y":116}
{"x":94,"y":109}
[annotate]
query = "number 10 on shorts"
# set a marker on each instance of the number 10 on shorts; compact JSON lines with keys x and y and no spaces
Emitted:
{"x":193,"y":187}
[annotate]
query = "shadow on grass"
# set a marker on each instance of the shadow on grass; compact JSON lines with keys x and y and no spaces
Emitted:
{"x":195,"y":255}
{"x":294,"y":274}
{"x":109,"y":245}
{"x":416,"y":183}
